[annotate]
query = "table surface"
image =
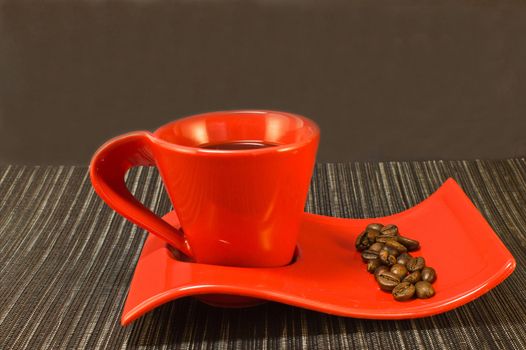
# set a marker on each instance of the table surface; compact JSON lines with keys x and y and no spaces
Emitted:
{"x":66,"y":261}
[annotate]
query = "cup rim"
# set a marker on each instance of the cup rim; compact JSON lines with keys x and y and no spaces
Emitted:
{"x":222,"y":152}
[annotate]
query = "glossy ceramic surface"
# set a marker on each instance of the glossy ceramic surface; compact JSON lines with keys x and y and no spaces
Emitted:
{"x":329,"y":276}
{"x":236,"y":207}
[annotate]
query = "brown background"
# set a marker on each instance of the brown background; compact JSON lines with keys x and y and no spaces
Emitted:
{"x":384,"y":79}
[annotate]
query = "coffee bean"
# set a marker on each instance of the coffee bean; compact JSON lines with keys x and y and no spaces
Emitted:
{"x":424,"y":290}
{"x":385,"y":238}
{"x":387,"y":258}
{"x":391,"y":250}
{"x":394,"y":244}
{"x":365,"y":242}
{"x":374,"y":227}
{"x":372,"y":265}
{"x":387,"y":280}
{"x":369,"y":255}
{"x":390,"y":230}
{"x":358,"y":243}
{"x":404,"y":291}
{"x":380,"y":269}
{"x":383,"y":254}
{"x":429,"y":274}
{"x":391,"y":260}
{"x":413,"y":277}
{"x":371,"y":236}
{"x":415,"y":264}
{"x":399,"y":270}
{"x":376,"y":247}
{"x":409,"y":243}
{"x":403,"y":258}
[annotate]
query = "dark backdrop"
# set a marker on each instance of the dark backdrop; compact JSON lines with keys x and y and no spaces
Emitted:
{"x":384,"y":79}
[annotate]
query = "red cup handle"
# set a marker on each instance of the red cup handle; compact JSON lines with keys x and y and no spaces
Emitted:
{"x":108,"y":167}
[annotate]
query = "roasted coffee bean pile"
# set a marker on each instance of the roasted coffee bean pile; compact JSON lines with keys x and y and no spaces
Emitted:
{"x":386,"y":253}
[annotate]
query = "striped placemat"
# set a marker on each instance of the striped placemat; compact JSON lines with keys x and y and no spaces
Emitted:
{"x":66,"y":261}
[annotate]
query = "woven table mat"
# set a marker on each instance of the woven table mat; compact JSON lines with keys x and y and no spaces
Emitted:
{"x":66,"y":261}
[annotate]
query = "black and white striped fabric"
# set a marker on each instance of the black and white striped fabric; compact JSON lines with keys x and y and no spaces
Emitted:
{"x":66,"y":261}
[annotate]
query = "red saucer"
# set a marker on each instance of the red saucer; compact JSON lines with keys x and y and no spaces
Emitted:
{"x":328,"y":274}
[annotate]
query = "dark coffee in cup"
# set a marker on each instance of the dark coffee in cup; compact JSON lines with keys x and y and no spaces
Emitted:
{"x":239,"y":145}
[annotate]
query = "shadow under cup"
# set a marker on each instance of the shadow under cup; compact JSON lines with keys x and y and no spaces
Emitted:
{"x":238,"y":181}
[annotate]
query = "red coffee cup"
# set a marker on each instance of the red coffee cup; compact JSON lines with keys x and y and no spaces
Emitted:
{"x":237,"y":207}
